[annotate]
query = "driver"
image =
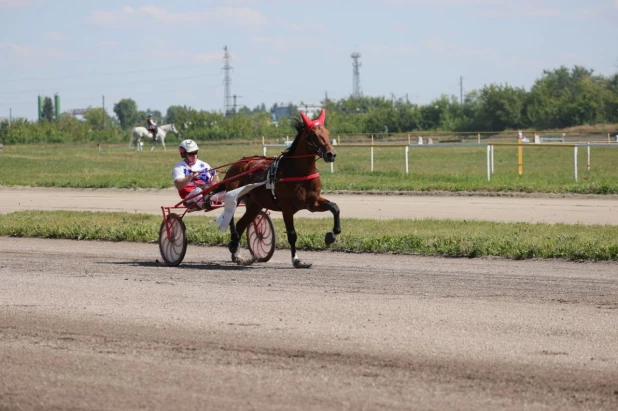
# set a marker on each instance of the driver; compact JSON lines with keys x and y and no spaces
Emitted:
{"x":192,"y":176}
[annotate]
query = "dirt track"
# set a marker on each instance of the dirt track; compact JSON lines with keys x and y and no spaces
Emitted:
{"x":530,"y":208}
{"x":87,"y":325}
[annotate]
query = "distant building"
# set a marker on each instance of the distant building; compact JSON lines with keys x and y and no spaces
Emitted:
{"x":281,"y":112}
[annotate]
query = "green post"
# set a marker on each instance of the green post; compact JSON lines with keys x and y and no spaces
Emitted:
{"x":57,"y":106}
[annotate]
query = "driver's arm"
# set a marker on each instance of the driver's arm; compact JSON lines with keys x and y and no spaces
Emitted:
{"x":182,"y":182}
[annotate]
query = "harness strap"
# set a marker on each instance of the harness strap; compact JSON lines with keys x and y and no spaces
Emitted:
{"x":271,"y":178}
{"x":290,"y":179}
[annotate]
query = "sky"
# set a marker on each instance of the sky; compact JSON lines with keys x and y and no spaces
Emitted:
{"x":164,"y":53}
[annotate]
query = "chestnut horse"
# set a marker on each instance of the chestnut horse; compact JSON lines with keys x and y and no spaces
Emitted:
{"x":293,"y":184}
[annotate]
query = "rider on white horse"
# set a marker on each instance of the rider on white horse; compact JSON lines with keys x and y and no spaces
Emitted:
{"x":151,"y":126}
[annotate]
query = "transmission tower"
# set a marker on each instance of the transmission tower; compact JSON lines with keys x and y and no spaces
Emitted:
{"x":356,"y":89}
{"x":227,"y":98}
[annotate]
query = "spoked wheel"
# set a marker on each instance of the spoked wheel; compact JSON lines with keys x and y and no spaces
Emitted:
{"x":261,"y":238}
{"x":174,"y":247}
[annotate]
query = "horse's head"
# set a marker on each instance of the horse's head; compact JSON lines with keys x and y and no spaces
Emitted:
{"x":318,"y":137}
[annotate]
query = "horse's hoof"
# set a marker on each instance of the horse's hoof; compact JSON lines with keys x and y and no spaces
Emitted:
{"x":244,"y":261}
{"x":233,"y":247}
{"x":300,"y":264}
{"x":329,"y":238}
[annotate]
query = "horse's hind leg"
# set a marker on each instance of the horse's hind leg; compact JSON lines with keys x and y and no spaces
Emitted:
{"x":251,"y":211}
{"x":234,"y":241}
{"x":288,"y":219}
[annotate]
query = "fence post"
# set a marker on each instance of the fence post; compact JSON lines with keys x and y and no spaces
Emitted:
{"x":492,"y":159}
{"x":406,"y":150}
{"x":588,"y":157}
{"x":372,"y":152}
{"x":575,"y":161}
{"x":479,"y":138}
{"x":520,"y":157}
{"x":488,"y":169}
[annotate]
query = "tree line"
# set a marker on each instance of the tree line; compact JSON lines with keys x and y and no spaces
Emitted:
{"x":560,"y":98}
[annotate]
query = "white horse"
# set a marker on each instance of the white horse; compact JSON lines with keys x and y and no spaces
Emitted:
{"x":139,"y":133}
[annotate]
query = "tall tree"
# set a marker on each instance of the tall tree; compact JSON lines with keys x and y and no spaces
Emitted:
{"x":501,"y":107}
{"x":126,"y":111}
{"x":96,"y":117}
{"x":177,"y":114}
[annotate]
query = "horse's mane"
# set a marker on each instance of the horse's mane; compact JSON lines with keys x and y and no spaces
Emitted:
{"x":297,"y":123}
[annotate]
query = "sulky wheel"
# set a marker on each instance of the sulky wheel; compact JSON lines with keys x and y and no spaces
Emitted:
{"x":174,"y":247}
{"x":261,"y":237}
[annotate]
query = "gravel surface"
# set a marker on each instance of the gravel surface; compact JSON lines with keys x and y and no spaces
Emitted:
{"x":107,"y":326}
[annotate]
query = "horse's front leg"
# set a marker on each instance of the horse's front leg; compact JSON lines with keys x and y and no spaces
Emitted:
{"x":325,"y":205}
{"x":288,"y":219}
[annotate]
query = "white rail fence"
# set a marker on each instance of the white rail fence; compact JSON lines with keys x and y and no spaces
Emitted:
{"x":489,"y":157}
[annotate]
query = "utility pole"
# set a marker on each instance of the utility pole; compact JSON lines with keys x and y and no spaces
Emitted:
{"x":235,"y":96}
{"x":103,"y":117}
{"x":10,"y":116}
{"x":461,"y":90}
{"x":227,"y":94}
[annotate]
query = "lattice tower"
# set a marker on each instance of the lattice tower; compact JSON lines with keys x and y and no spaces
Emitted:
{"x":227,"y":81}
{"x":356,"y":88}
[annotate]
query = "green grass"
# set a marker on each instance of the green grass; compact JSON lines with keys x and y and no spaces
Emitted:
{"x":450,"y":168}
{"x":446,"y":238}
{"x":438,"y":168}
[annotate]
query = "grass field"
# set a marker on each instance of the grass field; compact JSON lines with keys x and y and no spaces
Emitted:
{"x":545,"y":169}
{"x":420,"y":237}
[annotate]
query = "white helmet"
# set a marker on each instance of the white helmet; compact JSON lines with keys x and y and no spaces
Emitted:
{"x":187,"y":146}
